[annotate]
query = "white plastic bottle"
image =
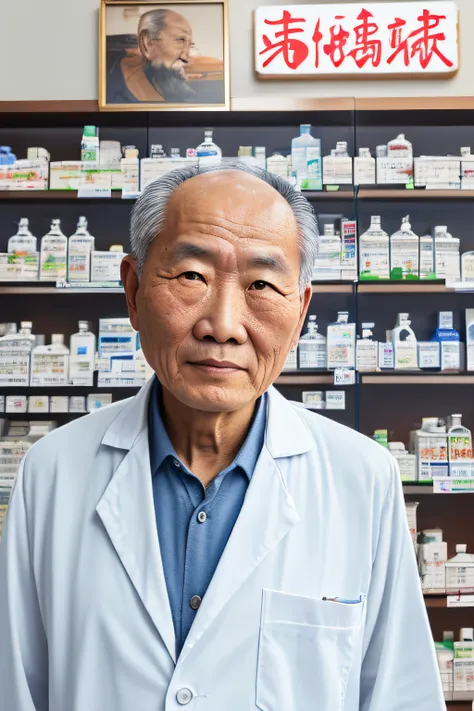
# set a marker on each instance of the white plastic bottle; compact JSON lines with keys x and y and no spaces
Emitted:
{"x":430,"y":444}
{"x":82,"y":358}
{"x":313,"y":347}
{"x":303,"y":148}
{"x":459,"y":440}
{"x":367,"y":350}
{"x":404,"y":252}
{"x":53,"y":262}
{"x":341,"y":340}
{"x":50,"y":364}
{"x":23,"y":242}
{"x":467,"y":267}
{"x":81,"y":245}
{"x":374,"y":249}
{"x":447,"y":257}
{"x":207,"y":151}
{"x":427,"y":266}
{"x":90,"y":145}
{"x":327,"y":264}
{"x":15,"y":355}
{"x":406,"y":348}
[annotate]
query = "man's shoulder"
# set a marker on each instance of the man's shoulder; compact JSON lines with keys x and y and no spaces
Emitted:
{"x":347,"y":451}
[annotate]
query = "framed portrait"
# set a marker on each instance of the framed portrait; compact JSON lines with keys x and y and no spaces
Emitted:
{"x":170,"y":55}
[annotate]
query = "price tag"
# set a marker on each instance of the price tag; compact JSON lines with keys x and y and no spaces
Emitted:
{"x":130,"y":194}
{"x":344,"y":376}
{"x":94,"y":191}
{"x":460,"y":600}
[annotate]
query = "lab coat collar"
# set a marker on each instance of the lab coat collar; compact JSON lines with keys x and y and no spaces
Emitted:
{"x":127,"y":513}
{"x":286,"y":432}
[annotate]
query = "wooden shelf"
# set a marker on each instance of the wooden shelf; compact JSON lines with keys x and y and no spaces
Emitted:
{"x":333,"y":287}
{"x":418,"y":379}
{"x":53,"y":290}
{"x":459,"y":705}
{"x":407,"y":287}
{"x":328,"y":195}
{"x":402,"y":194}
{"x":54,"y":195}
{"x":302,"y":379}
{"x":422,"y":103}
{"x":417,"y":488}
{"x":285,"y":103}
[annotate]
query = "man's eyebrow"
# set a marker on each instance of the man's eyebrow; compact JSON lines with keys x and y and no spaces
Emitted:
{"x":183,"y":250}
{"x":269,"y":261}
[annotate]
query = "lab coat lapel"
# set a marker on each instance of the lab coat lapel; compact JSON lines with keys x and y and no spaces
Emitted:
{"x":267,"y":515}
{"x":128,"y":515}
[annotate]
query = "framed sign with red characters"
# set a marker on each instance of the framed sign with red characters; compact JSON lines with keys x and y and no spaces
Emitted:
{"x":394,"y":39}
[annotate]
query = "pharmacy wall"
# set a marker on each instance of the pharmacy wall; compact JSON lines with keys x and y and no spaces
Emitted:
{"x":61,"y":37}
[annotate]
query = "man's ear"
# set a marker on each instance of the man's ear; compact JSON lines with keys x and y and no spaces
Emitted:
{"x":131,"y":284}
{"x":144,"y":42}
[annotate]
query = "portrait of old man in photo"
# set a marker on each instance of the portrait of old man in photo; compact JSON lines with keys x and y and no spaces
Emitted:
{"x":165,"y":54}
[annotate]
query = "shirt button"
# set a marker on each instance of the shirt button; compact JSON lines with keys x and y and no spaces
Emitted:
{"x":195,"y":602}
{"x":177,"y":463}
{"x":184,"y":696}
{"x":202,"y":516}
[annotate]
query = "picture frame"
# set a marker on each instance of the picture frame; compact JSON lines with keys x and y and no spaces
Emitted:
{"x":164,"y":56}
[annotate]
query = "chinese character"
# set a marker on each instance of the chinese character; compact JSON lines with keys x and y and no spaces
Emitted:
{"x":337,"y":42}
{"x":426,"y":44}
{"x":287,"y":45}
{"x":367,"y":49}
{"x":317,"y":37}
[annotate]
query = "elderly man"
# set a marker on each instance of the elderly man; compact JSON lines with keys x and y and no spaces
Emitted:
{"x":207,"y":543}
{"x":162,"y":68}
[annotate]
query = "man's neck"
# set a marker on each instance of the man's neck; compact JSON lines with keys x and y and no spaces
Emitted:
{"x":206,"y":442}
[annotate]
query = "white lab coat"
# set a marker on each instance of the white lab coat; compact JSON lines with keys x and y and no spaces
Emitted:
{"x":85,"y":621}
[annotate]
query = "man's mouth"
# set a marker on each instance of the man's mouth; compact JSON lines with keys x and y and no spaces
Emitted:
{"x":210,"y":364}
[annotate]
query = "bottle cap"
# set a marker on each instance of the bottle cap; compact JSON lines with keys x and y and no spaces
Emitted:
{"x":57,"y":339}
{"x":84,"y":325}
{"x":116,"y":248}
{"x":24,"y":222}
{"x":26,"y":324}
{"x":461,"y":548}
{"x":466,"y":634}
{"x":90,"y":131}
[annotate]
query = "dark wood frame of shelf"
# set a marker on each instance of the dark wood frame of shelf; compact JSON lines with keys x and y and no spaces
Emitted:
{"x":417,"y":194}
{"x":272,"y":103}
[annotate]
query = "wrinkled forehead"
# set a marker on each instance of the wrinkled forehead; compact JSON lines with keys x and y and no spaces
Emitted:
{"x":177,"y":25}
{"x":233,"y":200}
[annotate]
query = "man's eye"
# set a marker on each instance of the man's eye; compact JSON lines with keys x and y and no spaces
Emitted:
{"x":259,"y":285}
{"x":193,"y":276}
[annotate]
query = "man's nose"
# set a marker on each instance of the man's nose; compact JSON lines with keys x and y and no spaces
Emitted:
{"x":223,"y":320}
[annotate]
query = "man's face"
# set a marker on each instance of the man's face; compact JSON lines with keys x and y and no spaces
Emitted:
{"x":171,"y":49}
{"x":218,"y":304}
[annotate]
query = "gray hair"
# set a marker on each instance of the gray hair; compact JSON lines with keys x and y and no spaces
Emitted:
{"x":152,"y":22}
{"x":149,"y":213}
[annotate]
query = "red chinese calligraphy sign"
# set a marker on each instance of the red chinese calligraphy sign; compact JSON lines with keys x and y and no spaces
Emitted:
{"x":360,"y":39}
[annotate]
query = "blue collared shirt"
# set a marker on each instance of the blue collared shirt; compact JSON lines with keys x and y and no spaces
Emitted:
{"x":194,"y":523}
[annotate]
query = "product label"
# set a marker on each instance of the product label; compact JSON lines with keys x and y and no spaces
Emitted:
{"x":406,"y":355}
{"x":405,"y":256}
{"x":313,"y":400}
{"x":337,"y":170}
{"x":367,"y":355}
{"x":364,"y":171}
{"x":49,"y":369}
{"x":374,"y":259}
{"x":335,"y":400}
{"x":450,"y":355}
{"x":428,"y":354}
{"x":448,"y":261}
{"x":312,"y":354}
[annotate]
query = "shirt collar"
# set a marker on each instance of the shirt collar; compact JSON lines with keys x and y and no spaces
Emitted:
{"x":161,"y":447}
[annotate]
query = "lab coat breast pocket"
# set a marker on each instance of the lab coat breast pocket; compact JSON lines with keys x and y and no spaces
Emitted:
{"x":305,"y":653}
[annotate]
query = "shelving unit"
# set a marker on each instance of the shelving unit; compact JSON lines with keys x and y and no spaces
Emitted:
{"x":373,"y":402}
